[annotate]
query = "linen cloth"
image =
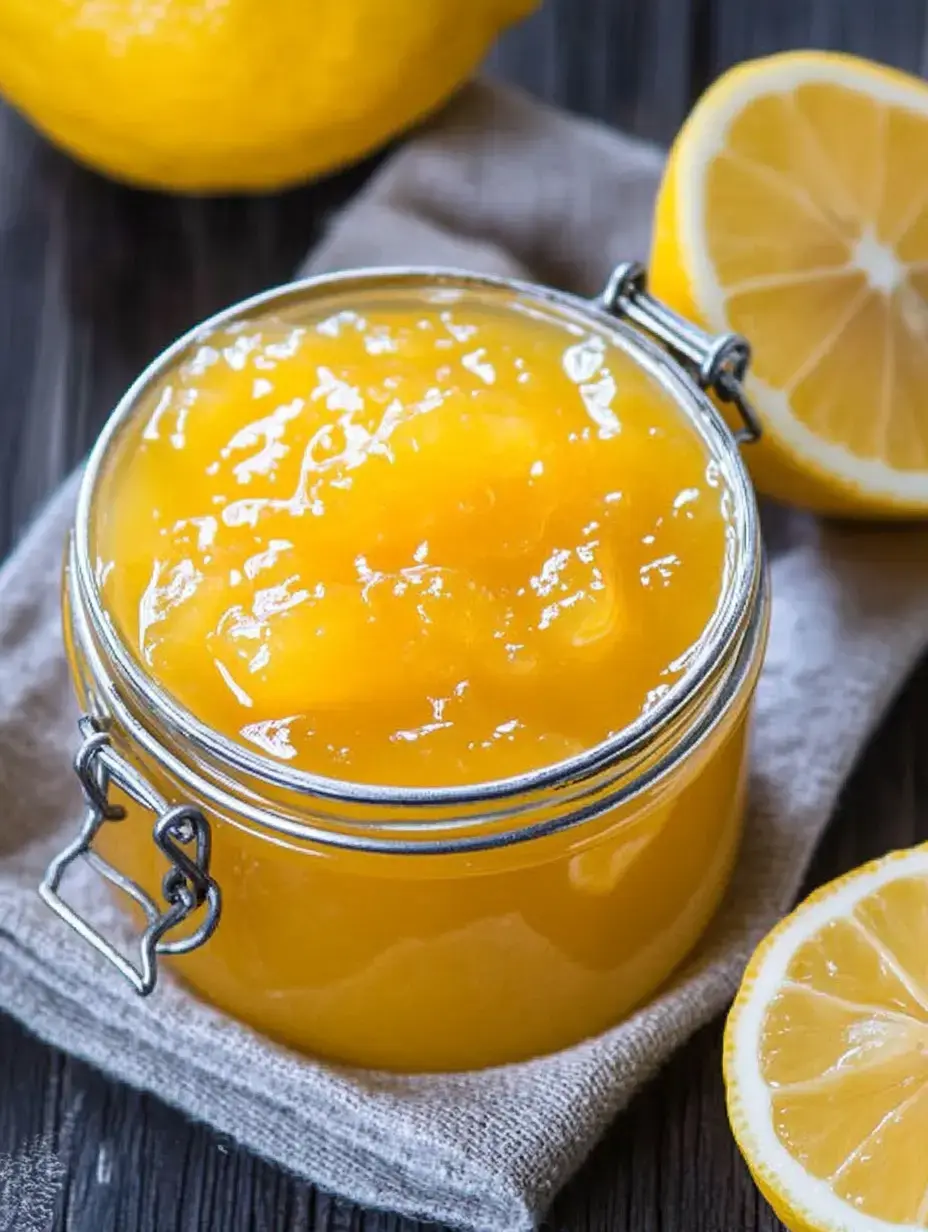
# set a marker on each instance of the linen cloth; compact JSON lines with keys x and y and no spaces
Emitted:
{"x":495,"y":183}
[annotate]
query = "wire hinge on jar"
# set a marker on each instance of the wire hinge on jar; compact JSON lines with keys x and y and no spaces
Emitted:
{"x":182,"y":834}
{"x":718,"y":362}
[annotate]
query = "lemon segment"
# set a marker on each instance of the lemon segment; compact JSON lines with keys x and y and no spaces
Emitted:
{"x":826,"y":1055}
{"x":792,"y":212}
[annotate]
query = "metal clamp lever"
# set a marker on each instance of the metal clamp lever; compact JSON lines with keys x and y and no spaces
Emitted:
{"x":181,"y":832}
{"x":718,"y":362}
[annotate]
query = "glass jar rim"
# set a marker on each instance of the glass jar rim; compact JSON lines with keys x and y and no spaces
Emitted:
{"x":740,"y":592}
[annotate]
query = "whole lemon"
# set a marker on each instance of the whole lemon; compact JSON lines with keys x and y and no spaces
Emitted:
{"x":222,"y":95}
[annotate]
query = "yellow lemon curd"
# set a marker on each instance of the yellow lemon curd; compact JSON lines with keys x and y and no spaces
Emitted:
{"x":428,"y":537}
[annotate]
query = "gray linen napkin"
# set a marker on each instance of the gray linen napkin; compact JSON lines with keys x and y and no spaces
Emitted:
{"x":495,"y":183}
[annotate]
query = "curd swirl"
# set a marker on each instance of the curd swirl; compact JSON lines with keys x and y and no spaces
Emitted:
{"x":414,"y":542}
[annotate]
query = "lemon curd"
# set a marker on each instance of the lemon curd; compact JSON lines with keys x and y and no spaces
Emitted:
{"x":395,"y":545}
{"x":414,"y":543}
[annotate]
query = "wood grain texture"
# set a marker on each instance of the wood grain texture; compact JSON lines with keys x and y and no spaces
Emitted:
{"x":628,"y":62}
{"x":893,"y":31}
{"x":94,"y":280}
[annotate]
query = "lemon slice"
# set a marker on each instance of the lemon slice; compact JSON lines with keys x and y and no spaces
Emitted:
{"x":826,"y":1055}
{"x":794,"y":210}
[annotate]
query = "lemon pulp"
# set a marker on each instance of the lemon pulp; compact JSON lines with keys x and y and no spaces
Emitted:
{"x":826,"y":1054}
{"x":789,"y":213}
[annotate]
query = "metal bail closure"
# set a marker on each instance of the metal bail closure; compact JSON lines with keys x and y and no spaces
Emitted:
{"x":181,"y":832}
{"x":718,"y":362}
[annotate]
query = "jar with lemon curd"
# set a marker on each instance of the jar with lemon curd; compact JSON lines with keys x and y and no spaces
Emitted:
{"x":416,"y":618}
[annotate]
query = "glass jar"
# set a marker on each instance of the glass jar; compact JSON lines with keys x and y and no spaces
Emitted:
{"x":426,"y":929}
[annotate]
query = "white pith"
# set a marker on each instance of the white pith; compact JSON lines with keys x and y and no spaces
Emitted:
{"x":749,"y":1094}
{"x":707,"y":139}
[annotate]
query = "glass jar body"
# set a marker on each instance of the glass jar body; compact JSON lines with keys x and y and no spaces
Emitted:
{"x":543,"y":913}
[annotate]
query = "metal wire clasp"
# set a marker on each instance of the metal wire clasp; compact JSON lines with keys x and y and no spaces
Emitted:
{"x":718,"y":362}
{"x":181,"y":832}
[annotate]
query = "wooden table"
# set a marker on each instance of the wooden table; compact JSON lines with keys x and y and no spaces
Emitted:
{"x":94,"y":280}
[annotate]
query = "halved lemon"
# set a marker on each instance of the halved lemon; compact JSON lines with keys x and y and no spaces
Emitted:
{"x":826,"y":1055}
{"x":794,"y":210}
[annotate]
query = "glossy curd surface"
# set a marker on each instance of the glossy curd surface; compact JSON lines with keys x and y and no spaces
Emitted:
{"x":434,"y":537}
{"x":428,"y":534}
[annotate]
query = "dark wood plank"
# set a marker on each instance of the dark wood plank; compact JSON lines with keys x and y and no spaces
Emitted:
{"x":891,"y":32}
{"x":627,"y":62}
